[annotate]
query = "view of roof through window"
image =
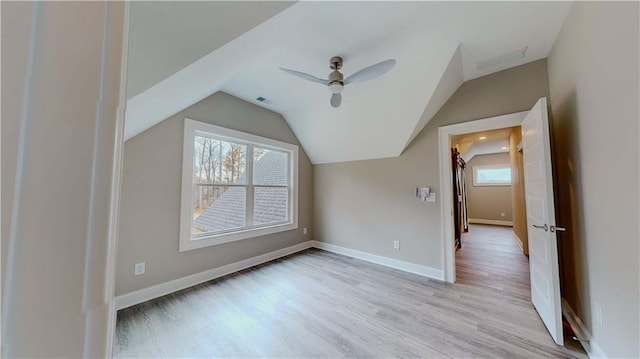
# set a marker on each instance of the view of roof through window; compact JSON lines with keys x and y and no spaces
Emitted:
{"x":220,"y":186}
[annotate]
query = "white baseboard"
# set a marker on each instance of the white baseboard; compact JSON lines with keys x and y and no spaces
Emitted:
{"x":158,"y":290}
{"x":518,"y":241}
{"x":491,"y":221}
{"x":596,"y":352}
{"x":424,"y":271}
{"x":580,"y":330}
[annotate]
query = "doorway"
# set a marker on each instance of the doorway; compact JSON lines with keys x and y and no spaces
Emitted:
{"x":487,"y":183}
{"x":445,"y":136}
{"x":540,"y":207}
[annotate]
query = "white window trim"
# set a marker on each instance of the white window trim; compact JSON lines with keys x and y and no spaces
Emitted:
{"x":191,"y":128}
{"x":475,"y":175}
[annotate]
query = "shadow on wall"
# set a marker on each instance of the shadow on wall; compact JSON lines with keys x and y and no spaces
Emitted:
{"x":574,"y":279}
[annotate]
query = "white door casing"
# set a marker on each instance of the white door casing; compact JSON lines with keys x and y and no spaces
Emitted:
{"x":541,"y":226}
{"x":66,"y":67}
{"x":446,"y":207}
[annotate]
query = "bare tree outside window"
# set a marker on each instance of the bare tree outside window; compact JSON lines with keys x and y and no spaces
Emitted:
{"x":217,"y":163}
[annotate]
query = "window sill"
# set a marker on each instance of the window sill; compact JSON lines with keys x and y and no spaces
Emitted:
{"x":213,"y":240}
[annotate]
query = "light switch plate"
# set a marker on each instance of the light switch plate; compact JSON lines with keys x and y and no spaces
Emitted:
{"x":139,"y":268}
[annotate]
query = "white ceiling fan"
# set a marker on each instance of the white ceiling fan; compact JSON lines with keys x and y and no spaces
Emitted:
{"x":336,"y":81}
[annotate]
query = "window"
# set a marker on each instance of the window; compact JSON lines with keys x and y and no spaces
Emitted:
{"x":235,"y":186}
{"x":497,"y":175}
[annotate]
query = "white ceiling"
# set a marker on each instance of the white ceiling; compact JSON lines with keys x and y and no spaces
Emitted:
{"x":437,"y":46}
{"x":482,"y":143}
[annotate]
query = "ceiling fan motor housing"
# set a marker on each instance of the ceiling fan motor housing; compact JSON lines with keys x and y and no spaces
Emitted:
{"x":335,"y":82}
{"x":335,"y":77}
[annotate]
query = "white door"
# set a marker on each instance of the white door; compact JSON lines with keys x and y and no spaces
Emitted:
{"x":541,"y":226}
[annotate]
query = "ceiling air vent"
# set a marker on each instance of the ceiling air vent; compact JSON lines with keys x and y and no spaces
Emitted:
{"x":504,"y":59}
{"x":264,"y":100}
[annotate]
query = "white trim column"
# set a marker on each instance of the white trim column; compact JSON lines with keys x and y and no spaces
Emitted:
{"x":56,"y":295}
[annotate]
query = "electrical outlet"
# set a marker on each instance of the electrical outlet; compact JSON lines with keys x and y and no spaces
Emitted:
{"x":304,"y":230}
{"x":139,"y":268}
{"x":501,"y":214}
{"x":599,"y":319}
{"x":396,"y":244}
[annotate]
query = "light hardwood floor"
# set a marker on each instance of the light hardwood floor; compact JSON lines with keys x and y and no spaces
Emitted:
{"x":320,"y":304}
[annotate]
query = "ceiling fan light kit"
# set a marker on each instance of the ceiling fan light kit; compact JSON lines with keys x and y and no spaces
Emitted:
{"x":336,"y":81}
{"x":336,"y":87}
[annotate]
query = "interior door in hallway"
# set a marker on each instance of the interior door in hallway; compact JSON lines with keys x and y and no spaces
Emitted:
{"x":541,"y":226}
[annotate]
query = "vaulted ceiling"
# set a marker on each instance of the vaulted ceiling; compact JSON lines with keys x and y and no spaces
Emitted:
{"x":238,"y":47}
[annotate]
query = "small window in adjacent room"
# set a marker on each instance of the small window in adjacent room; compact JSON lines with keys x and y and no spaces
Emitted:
{"x":495,"y":175}
{"x":235,"y":186}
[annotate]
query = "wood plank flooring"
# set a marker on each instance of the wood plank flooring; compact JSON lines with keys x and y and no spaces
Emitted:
{"x":318,"y":304}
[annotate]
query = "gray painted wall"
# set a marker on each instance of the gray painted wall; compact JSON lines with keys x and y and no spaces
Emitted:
{"x":593,"y":80}
{"x":365,"y":205}
{"x":150,"y":208}
{"x":488,"y":202}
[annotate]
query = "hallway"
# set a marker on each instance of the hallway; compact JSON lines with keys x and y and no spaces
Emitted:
{"x":491,"y":257}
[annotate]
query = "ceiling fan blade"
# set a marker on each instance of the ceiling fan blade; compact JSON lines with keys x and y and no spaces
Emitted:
{"x":371,"y":72}
{"x":307,"y":77}
{"x":336,"y":100}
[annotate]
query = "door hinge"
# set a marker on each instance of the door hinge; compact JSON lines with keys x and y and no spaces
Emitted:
{"x":545,"y":227}
{"x":582,"y":340}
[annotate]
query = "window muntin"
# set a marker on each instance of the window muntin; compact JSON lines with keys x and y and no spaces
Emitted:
{"x":240,"y":186}
{"x":494,"y":175}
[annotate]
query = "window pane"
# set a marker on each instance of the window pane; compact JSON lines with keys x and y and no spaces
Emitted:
{"x":270,"y":205}
{"x":493,"y":175}
{"x":218,"y":208}
{"x":216,"y":161}
{"x":270,"y":168}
